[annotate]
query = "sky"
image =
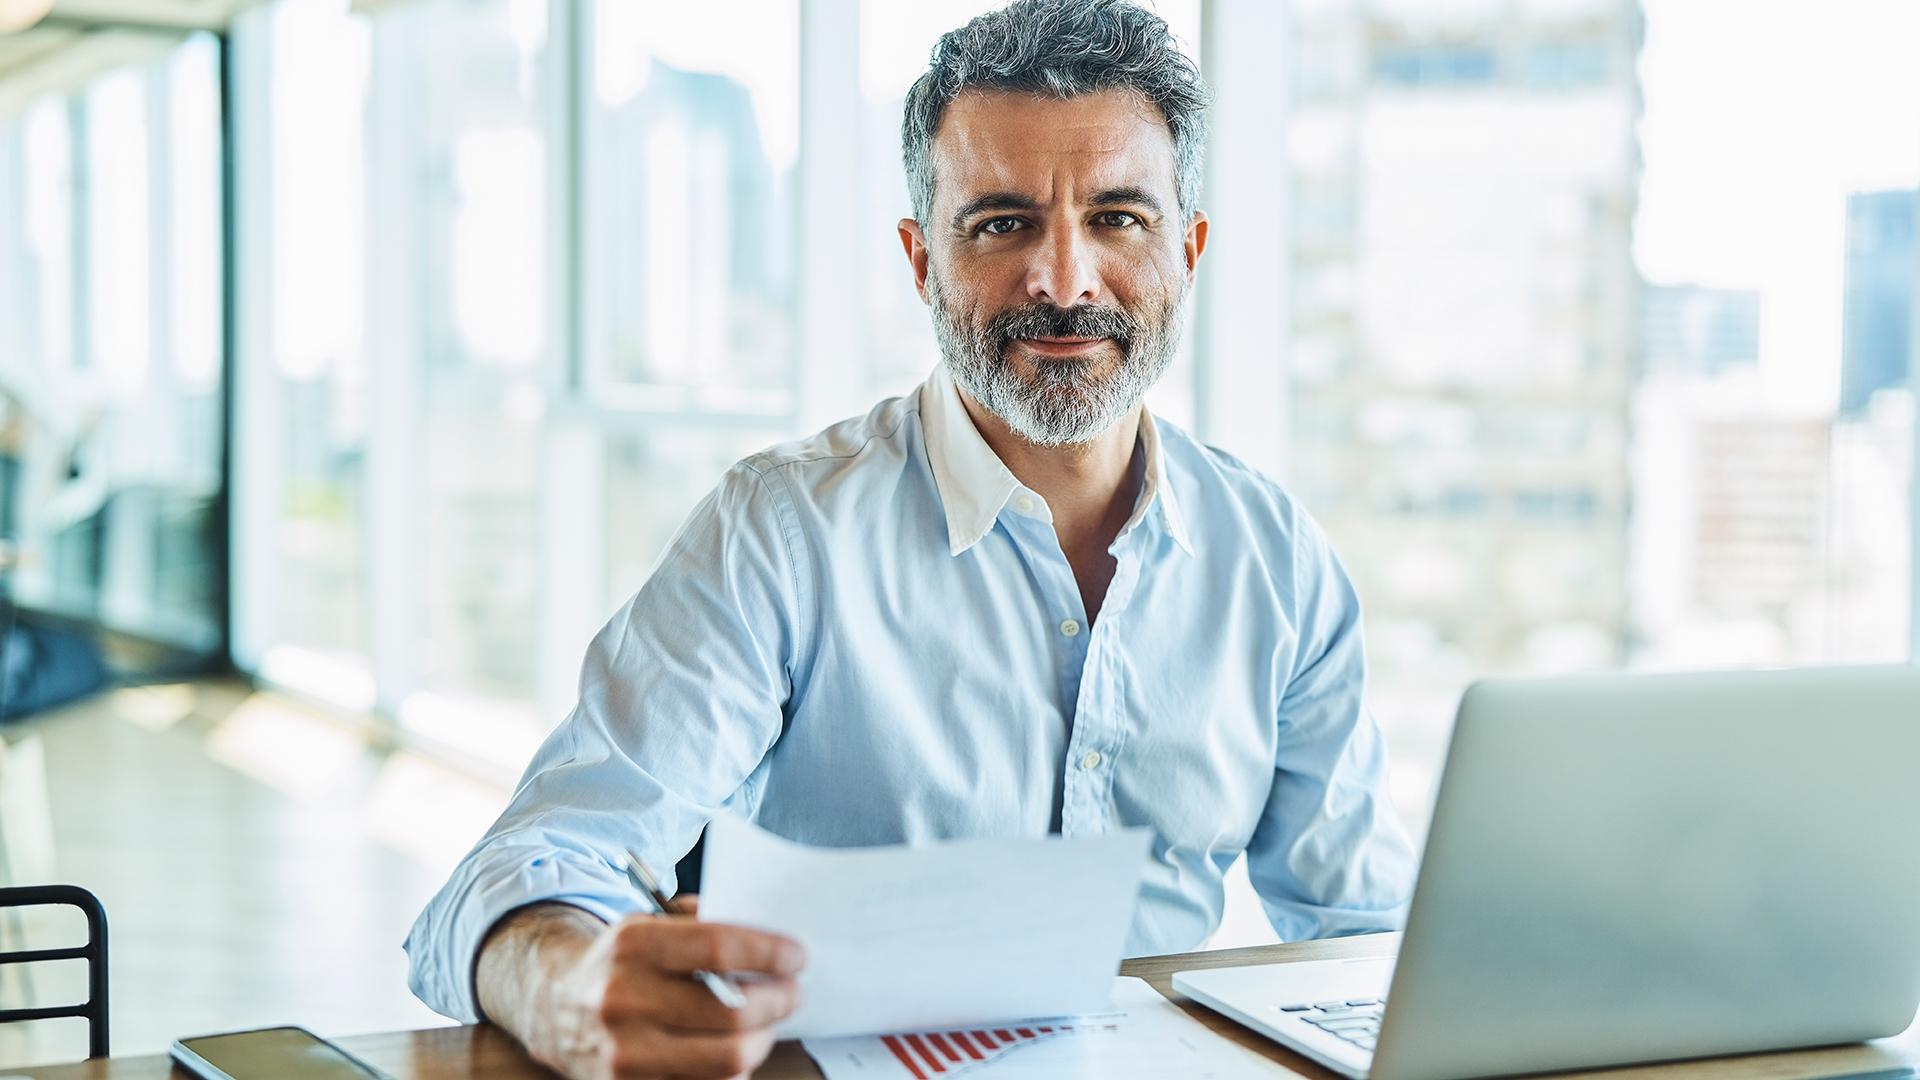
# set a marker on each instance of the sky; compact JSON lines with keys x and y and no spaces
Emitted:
{"x":1761,"y":117}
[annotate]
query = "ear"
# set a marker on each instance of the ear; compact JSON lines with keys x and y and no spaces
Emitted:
{"x":914,"y":240}
{"x":1196,"y":242}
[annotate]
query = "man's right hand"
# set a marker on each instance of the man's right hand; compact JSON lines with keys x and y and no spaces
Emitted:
{"x":619,"y":1001}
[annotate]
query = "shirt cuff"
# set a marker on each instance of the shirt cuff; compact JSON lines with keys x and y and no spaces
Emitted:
{"x":490,"y":884}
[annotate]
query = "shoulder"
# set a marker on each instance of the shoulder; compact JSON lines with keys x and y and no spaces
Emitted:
{"x":883,"y":440}
{"x":773,"y":490}
{"x":1220,"y":493}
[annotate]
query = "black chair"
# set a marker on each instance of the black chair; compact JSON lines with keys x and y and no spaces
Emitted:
{"x":94,"y":952}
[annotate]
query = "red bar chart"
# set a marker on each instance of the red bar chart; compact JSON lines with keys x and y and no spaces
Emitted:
{"x":1145,"y":1037}
{"x":928,"y":1054}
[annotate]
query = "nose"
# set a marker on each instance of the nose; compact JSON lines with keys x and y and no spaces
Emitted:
{"x":1062,"y":272}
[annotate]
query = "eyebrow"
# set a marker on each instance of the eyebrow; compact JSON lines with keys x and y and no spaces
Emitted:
{"x":994,"y":200}
{"x":1125,"y":195}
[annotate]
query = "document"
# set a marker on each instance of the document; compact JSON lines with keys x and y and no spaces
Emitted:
{"x":912,"y":938}
{"x":1141,"y":1035}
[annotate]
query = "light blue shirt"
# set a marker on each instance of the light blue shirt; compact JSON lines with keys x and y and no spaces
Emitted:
{"x":872,"y":637}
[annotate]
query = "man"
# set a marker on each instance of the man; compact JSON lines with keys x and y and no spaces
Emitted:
{"x":1007,"y":604}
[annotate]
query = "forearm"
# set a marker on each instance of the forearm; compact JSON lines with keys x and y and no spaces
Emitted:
{"x":518,"y":975}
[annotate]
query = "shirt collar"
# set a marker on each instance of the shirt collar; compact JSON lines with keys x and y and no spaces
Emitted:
{"x":975,"y":485}
{"x":1155,"y":490}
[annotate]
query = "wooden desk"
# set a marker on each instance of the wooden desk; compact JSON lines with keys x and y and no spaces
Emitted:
{"x":460,"y":1052}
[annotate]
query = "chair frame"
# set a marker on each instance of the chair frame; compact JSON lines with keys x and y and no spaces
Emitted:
{"x":94,"y":952}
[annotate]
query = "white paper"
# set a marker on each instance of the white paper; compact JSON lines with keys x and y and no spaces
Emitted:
{"x":1144,"y":1037}
{"x":910,"y":938}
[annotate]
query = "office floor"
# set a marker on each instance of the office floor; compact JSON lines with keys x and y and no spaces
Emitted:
{"x":259,"y":865}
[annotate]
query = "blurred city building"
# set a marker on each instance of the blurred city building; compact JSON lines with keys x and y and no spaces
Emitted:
{"x":1872,"y":543}
{"x":1694,"y":330}
{"x":1766,"y":532}
{"x":1730,"y":522}
{"x":1883,"y":261}
{"x":1464,"y":310}
{"x":1770,"y":529}
{"x":1874,"y":449}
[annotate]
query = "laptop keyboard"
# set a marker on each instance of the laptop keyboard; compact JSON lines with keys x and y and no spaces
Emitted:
{"x":1356,"y":1021}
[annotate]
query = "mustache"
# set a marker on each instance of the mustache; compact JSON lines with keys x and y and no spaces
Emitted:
{"x":1046,"y":320}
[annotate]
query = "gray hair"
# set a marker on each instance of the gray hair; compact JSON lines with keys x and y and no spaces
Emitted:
{"x":1060,"y":48}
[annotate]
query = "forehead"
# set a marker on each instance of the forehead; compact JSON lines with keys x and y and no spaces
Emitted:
{"x":996,"y":140}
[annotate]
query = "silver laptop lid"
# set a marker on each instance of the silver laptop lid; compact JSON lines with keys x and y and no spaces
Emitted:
{"x":1635,"y":868}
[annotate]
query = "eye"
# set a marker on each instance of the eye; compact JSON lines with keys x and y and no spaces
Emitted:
{"x":1000,"y":226}
{"x":1117,"y":219}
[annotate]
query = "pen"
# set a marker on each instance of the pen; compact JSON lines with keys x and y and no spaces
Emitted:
{"x":727,"y":993}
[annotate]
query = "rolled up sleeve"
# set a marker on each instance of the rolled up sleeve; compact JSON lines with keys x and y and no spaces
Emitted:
{"x":1329,"y":856}
{"x":681,"y":697}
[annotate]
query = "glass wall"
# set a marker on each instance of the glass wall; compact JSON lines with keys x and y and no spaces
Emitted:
{"x":690,"y":156}
{"x":110,"y":363}
{"x":1569,"y":322}
{"x":525,"y":291}
{"x":460,"y":260}
{"x":690,"y":147}
{"x":303,"y":416}
{"x":1588,"y":342}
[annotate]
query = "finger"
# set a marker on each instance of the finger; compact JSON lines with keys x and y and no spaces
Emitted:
{"x":644,"y":1050}
{"x":686,"y":904}
{"x":685,"y":947}
{"x":683,"y":1004}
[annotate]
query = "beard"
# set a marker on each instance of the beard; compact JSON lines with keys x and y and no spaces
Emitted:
{"x":1066,"y":401}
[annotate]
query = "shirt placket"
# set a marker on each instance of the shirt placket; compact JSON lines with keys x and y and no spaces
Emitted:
{"x":1066,"y":616}
{"x":1098,"y":737}
{"x":1089,"y":669}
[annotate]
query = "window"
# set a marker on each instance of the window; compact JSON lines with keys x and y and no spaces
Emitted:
{"x":109,"y":348}
{"x":690,"y":162}
{"x":301,"y":439}
{"x":458,"y":112}
{"x":1603,"y":364}
{"x":504,"y":354}
{"x":690,"y":152}
{"x":44,"y":148}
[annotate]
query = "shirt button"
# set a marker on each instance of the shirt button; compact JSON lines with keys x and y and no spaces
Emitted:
{"x":1091,"y":761}
{"x":1070,"y":627}
{"x":1024,"y":504}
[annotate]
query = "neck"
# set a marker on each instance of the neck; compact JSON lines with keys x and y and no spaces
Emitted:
{"x":1088,"y":486}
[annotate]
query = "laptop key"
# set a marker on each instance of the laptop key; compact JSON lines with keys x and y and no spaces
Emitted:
{"x":1294,"y":1008}
{"x":1330,"y":1006}
{"x":1355,"y":1035}
{"x":1352,"y":1032}
{"x":1363,"y":1002}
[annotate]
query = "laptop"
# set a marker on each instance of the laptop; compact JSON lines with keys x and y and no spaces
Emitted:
{"x":1636,"y":868}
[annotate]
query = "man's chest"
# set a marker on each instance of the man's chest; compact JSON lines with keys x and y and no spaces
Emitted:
{"x":977,"y":699}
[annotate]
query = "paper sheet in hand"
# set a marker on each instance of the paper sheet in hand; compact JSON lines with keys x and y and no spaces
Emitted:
{"x":1144,"y":1037}
{"x":910,"y":938}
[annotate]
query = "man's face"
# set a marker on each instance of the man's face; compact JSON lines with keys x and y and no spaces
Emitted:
{"x":1055,"y":259}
